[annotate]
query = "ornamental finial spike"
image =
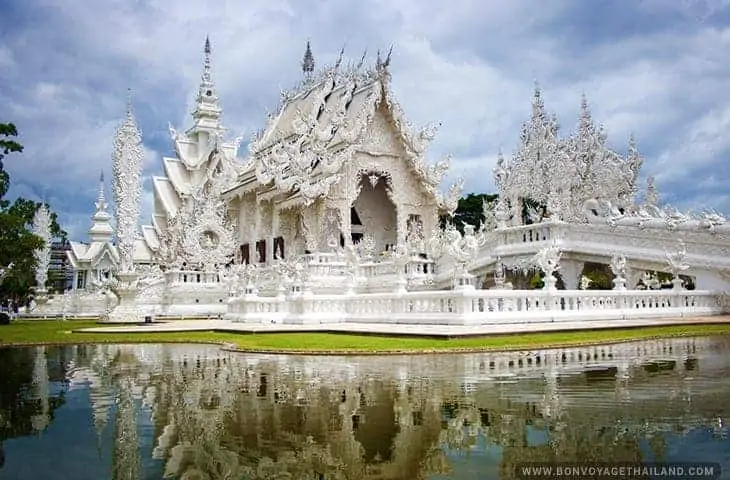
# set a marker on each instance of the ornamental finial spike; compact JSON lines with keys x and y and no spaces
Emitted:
{"x":340,"y":57}
{"x":129,"y":102}
{"x":207,"y":60}
{"x":308,"y":60}
{"x":386,"y":63}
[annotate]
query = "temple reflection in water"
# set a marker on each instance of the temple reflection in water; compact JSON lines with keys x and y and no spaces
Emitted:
{"x":196,"y":412}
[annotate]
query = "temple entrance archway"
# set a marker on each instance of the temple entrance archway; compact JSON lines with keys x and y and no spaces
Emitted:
{"x":374,"y":213}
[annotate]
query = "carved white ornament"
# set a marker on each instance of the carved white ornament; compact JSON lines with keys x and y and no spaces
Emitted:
{"x":563,"y":173}
{"x":127,"y":187}
{"x":42,"y":229}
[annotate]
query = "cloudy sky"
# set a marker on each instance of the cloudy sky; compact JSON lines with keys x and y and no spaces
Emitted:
{"x":653,"y":67}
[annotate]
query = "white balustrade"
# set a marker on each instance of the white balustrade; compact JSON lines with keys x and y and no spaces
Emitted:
{"x":191,"y":276}
{"x":475,"y":307}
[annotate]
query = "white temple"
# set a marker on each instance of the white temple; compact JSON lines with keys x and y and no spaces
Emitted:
{"x":334,"y":215}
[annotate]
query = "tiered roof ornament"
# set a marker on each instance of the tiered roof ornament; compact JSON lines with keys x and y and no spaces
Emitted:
{"x":207,"y":104}
{"x":101,"y":229}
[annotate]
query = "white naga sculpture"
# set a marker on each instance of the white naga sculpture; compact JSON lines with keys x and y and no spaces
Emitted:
{"x":42,"y":229}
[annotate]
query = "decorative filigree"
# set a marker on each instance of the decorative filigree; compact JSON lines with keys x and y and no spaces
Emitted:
{"x":42,"y":229}
{"x":200,"y":235}
{"x":563,"y":173}
{"x":127,"y":187}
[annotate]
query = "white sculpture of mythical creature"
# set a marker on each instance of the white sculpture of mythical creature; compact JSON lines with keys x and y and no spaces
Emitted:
{"x":490,"y":219}
{"x":618,"y":267}
{"x":534,"y":213}
{"x":548,"y":260}
{"x":711,"y":219}
{"x":677,"y":263}
{"x":366,"y":247}
{"x":650,"y":281}
{"x":674,"y":218}
{"x":450,"y":201}
{"x":463,"y":248}
{"x":231,"y":278}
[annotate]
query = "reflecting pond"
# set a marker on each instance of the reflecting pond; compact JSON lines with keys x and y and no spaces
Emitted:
{"x":199,"y":412}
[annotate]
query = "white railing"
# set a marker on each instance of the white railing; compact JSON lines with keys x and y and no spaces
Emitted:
{"x":191,"y":276}
{"x":473,"y":307}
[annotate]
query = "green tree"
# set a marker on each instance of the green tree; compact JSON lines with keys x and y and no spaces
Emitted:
{"x":469,"y":210}
{"x":7,"y":145}
{"x":17,"y":241}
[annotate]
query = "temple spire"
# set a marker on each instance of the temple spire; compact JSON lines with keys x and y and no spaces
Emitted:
{"x":308,"y":61}
{"x":101,"y":204}
{"x":101,"y":228}
{"x":207,"y":107}
{"x":129,"y":111}
{"x":206,"y":61}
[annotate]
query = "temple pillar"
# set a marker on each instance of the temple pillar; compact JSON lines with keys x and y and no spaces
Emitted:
{"x":401,"y":224}
{"x":75,"y":280}
{"x":308,"y":222}
{"x":570,"y":272}
{"x":345,"y":223}
{"x":243,"y":220}
{"x":256,"y":224}
{"x":515,"y":206}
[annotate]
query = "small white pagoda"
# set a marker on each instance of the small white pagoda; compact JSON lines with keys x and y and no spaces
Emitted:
{"x":93,"y":262}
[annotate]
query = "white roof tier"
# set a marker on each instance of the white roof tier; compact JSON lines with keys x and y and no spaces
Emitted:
{"x":166,"y":196}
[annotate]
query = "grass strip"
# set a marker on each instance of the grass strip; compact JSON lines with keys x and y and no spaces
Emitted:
{"x":55,"y":332}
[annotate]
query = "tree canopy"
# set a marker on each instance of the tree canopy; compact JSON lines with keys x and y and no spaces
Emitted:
{"x":17,"y":241}
{"x":470,"y":210}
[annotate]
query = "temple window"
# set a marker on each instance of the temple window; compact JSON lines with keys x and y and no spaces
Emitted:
{"x":279,"y":247}
{"x":245,"y":254}
{"x":261,"y":249}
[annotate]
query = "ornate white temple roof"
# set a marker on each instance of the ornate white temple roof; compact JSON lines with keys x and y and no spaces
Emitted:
{"x":335,"y":110}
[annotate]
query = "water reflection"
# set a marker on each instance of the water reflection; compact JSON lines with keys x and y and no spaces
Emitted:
{"x":195,"y":412}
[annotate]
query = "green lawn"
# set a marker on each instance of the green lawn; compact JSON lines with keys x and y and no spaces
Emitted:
{"x":31,"y":332}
